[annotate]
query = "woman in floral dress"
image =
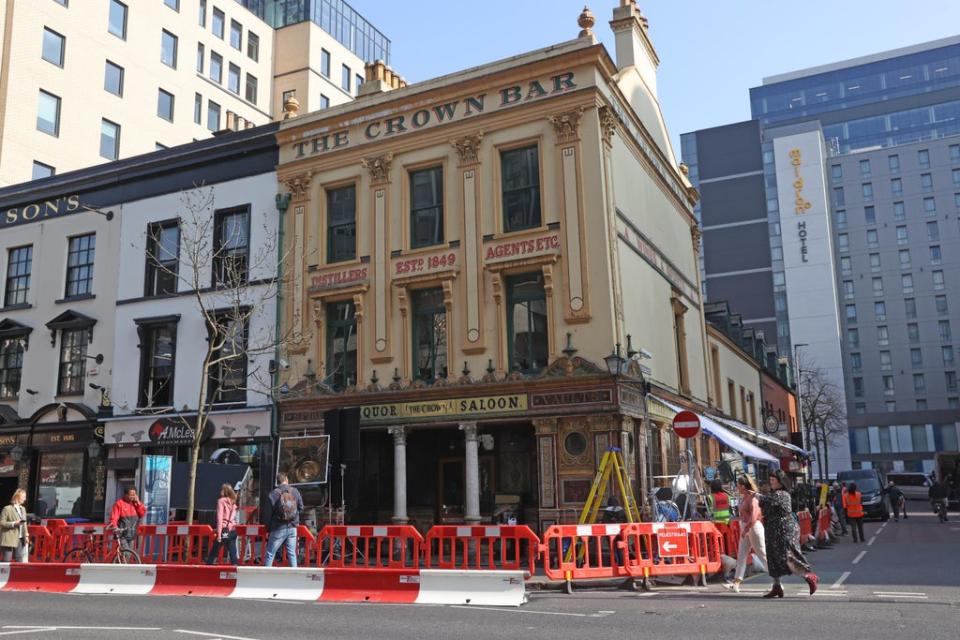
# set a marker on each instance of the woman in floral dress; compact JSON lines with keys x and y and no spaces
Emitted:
{"x":782,"y":536}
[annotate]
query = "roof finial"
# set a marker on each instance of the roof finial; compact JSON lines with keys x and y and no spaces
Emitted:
{"x":586,"y":22}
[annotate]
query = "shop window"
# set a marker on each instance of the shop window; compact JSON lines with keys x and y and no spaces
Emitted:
{"x":228,"y":376}
{"x":520,"y":176}
{"x":158,"y":352}
{"x":231,"y":247}
{"x":426,"y":207}
{"x":11,"y":366}
{"x":80,"y":255}
{"x":429,"y":334}
{"x":342,"y":224}
{"x":19,"y":266}
{"x":73,"y":361}
{"x":60,"y":484}
{"x":341,"y":345}
{"x":527,"y":340}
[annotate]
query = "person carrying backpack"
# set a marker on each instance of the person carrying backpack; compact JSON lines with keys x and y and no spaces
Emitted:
{"x":282,"y":518}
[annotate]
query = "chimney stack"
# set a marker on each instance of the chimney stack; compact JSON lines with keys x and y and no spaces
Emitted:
{"x":634,"y":48}
{"x":379,"y":78}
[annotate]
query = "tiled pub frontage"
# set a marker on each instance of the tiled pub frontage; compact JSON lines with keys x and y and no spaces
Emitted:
{"x":484,"y":450}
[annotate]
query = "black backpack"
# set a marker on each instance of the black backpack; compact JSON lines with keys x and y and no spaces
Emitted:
{"x":287,"y":508}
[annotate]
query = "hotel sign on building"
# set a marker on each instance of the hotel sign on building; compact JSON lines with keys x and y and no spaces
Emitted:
{"x":808,"y":260}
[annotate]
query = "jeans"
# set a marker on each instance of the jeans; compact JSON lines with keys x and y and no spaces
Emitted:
{"x":856,"y":527}
{"x":285,"y":535}
{"x":900,"y":506}
{"x":842,"y":518}
{"x":229,"y":540}
{"x":753,"y":540}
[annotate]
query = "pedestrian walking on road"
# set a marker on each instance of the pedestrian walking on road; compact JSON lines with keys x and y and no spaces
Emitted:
{"x":782,"y":536}
{"x":751,"y":530}
{"x":226,"y":525}
{"x":282,"y":519}
{"x":897,"y":500}
{"x":938,"y":498}
{"x":854,"y":507}
{"x":836,"y":501}
{"x":14,"y":539}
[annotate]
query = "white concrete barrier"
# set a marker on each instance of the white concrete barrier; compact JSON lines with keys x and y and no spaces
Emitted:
{"x":282,"y":583}
{"x":129,"y":579}
{"x":4,"y":573}
{"x":489,"y":588}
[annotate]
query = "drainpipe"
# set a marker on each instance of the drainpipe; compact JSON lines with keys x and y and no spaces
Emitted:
{"x":283,"y":203}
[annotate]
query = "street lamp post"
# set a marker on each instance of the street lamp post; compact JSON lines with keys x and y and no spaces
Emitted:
{"x":803,"y":431}
{"x":617,"y":367}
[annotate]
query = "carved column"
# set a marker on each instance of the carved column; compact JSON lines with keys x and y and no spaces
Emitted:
{"x":608,"y":127}
{"x":472,"y":468}
{"x":566,"y":127}
{"x":497,"y":282}
{"x":299,"y":188}
{"x":399,"y":475}
{"x":379,"y":168}
{"x":468,"y":150}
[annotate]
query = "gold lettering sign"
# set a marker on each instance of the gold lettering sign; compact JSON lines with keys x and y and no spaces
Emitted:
{"x":801,"y":204}
{"x":41,"y":210}
{"x":438,"y":408}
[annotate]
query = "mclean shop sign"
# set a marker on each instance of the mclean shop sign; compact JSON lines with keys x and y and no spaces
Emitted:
{"x":436,"y":114}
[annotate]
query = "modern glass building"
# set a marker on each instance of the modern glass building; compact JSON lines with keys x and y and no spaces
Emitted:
{"x":890,"y":124}
{"x":336,"y":17}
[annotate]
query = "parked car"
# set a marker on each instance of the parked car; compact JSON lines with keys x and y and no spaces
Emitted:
{"x":870,"y":483}
{"x":914,"y":484}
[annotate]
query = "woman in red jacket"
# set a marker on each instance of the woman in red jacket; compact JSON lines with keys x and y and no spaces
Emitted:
{"x":226,"y":525}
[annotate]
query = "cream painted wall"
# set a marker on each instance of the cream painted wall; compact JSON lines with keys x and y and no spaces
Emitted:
{"x":744,"y":372}
{"x":79,"y":84}
{"x":297,"y":66}
{"x":256,"y":191}
{"x":47,"y":287}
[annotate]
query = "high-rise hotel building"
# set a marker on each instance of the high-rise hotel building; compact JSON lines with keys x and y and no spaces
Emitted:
{"x":833,"y":217}
{"x":87,"y":81}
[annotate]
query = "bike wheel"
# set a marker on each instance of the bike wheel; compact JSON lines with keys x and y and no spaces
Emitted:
{"x":126,"y":556}
{"x":77,"y":556}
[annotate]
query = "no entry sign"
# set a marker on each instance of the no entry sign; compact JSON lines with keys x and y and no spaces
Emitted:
{"x":686,"y":424}
{"x":672,"y":543}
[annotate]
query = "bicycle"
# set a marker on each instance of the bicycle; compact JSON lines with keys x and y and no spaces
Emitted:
{"x":91,"y":549}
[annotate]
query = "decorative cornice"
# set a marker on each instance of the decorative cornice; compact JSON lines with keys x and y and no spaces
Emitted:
{"x":379,"y":167}
{"x":298,"y":185}
{"x":468,"y":148}
{"x":608,"y":123}
{"x":696,"y":235}
{"x":567,"y":125}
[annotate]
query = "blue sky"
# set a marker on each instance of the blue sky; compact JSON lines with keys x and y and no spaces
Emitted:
{"x":711,"y":51}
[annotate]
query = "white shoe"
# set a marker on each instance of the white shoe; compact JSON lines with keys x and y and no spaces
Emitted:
{"x":736,"y":587}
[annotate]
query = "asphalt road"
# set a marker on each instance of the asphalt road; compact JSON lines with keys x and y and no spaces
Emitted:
{"x":903,"y":583}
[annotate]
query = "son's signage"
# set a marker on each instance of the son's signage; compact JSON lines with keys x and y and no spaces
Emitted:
{"x":36,"y":211}
{"x":435,"y":114}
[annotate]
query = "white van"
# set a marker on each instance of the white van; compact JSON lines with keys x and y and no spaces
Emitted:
{"x":914,"y":484}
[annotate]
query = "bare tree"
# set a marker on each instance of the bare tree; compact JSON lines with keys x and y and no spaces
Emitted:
{"x":823,"y":407}
{"x":217,"y":258}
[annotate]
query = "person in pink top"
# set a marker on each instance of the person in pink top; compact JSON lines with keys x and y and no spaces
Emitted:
{"x":751,"y":530}
{"x":226,"y":525}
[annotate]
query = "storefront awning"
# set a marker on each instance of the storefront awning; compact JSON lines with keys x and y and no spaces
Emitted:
{"x":739,"y":426}
{"x":725,"y":435}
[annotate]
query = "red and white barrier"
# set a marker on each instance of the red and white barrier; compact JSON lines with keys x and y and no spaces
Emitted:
{"x":391,"y":585}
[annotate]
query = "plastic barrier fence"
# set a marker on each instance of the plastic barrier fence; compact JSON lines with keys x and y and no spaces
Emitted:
{"x":173,"y":544}
{"x":394,"y":546}
{"x":43,"y":546}
{"x":513,"y":547}
{"x":579,"y":551}
{"x":806,"y":526}
{"x":823,"y":524}
{"x":95,"y":538}
{"x":674,"y":549}
{"x":427,"y":586}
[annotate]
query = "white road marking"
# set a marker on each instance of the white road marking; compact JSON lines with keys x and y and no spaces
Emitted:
{"x":859,"y":557}
{"x":69,"y":628}
{"x":871,"y":541}
{"x":24,"y":631}
{"x":902,"y":596}
{"x":843,"y":577}
{"x":899,"y":593}
{"x":215,"y":636}
{"x":599,"y":614}
{"x":839,"y":594}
